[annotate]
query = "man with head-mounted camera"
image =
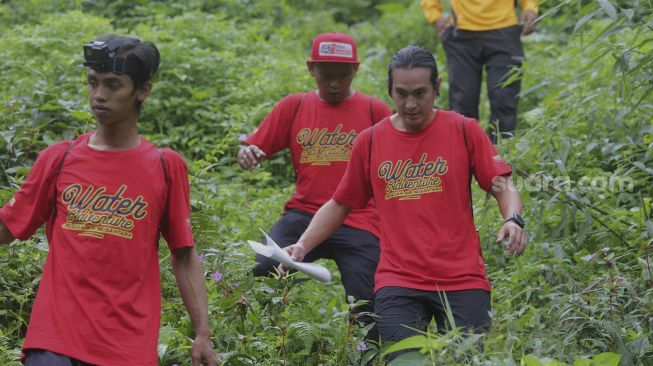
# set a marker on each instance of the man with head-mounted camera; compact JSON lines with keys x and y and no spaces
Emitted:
{"x":106,"y":197}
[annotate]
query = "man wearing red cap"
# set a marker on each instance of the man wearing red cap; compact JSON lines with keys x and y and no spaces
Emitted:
{"x":419,"y":164}
{"x":319,"y":128}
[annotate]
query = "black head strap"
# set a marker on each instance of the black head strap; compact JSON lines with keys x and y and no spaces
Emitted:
{"x":103,"y":57}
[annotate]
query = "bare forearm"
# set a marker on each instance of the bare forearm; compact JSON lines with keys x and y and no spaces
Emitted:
{"x":509,"y":203}
{"x":507,"y":196}
{"x":326,"y":220}
{"x":190,"y":281}
{"x":5,"y":235}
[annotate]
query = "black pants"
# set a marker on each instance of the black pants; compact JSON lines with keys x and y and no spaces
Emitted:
{"x":398,"y":307}
{"x":500,"y":51}
{"x":355,"y":251}
{"x":39,"y":357}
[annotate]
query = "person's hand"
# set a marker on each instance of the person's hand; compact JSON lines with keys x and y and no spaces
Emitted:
{"x":250,"y":156}
{"x":440,"y":26}
{"x":516,"y":237}
{"x":202,"y":352}
{"x":528,"y":18}
{"x":297,"y":252}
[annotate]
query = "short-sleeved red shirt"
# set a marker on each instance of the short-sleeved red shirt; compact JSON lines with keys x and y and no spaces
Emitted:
{"x":421,"y":183}
{"x":99,"y":299}
{"x":320,"y":137}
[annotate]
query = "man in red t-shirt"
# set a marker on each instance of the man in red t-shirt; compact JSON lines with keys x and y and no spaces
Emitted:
{"x":319,"y":128}
{"x":106,"y":197}
{"x":418,"y":165}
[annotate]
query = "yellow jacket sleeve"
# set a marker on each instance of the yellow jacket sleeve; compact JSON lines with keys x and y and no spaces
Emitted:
{"x":479,"y":15}
{"x":525,"y":5}
{"x":433,"y":10}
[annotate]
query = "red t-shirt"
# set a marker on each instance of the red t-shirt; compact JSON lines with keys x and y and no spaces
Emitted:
{"x":320,"y":137}
{"x":421,"y":183}
{"x":99,"y":299}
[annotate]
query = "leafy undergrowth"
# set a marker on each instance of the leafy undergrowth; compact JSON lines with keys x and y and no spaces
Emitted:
{"x":581,"y":295}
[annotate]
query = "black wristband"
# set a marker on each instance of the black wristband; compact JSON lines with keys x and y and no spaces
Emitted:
{"x":517,"y":219}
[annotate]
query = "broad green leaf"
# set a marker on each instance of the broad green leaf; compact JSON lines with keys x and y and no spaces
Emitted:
{"x":583,"y":362}
{"x":530,"y":360}
{"x":606,"y":359}
{"x":647,"y":269}
{"x":643,"y":167}
{"x":609,"y":9}
{"x":583,"y":20}
{"x":161,"y":349}
{"x":629,"y":13}
{"x":418,"y":341}
{"x":558,"y":251}
{"x":409,"y":359}
{"x":390,"y":8}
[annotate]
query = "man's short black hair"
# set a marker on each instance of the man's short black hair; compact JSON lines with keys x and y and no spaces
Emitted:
{"x":145,"y":54}
{"x":410,"y":57}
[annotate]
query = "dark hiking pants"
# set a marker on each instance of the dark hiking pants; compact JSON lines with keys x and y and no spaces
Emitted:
{"x":355,"y":251}
{"x":501,"y":52}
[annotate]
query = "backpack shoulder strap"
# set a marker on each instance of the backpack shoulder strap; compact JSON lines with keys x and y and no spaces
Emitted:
{"x":163,"y":165}
{"x":294,"y":116}
{"x":166,"y":179}
{"x":301,"y":101}
{"x":464,"y":121}
{"x":372,"y":111}
{"x":63,"y":158}
{"x":56,"y":179}
{"x":369,"y":156}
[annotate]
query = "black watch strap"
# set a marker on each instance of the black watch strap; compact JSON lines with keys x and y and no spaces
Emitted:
{"x":517,"y":219}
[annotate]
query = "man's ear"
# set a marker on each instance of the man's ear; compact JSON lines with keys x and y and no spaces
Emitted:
{"x":437,"y":86}
{"x":144,"y":92}
{"x":311,"y":67}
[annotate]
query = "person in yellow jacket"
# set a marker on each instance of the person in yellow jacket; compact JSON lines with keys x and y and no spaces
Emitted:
{"x":482,"y":33}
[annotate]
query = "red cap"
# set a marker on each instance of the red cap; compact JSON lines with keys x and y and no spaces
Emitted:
{"x":334,"y":47}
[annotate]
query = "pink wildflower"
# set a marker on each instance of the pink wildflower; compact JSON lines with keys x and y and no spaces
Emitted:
{"x":217,"y":276}
{"x":361,"y":346}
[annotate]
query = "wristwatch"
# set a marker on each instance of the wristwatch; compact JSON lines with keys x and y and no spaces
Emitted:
{"x":517,"y":219}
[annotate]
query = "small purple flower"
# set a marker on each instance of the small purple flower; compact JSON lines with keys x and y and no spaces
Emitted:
{"x":620,"y":278}
{"x":605,"y":250}
{"x":201,"y":257}
{"x":242,"y":138}
{"x":217,"y":276}
{"x":361,"y":346}
{"x":235,"y":284}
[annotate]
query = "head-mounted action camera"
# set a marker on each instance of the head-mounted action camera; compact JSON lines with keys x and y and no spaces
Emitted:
{"x":101,"y":56}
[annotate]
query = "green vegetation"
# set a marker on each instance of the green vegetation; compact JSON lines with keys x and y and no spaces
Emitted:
{"x":583,"y":160}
